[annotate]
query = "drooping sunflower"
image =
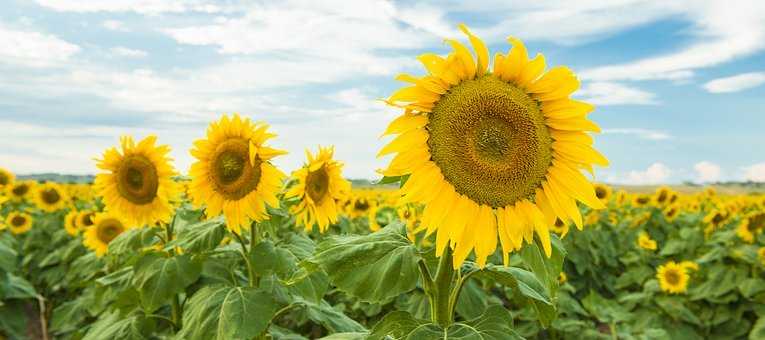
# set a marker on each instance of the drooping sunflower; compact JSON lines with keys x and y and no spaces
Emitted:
{"x":750,"y":226}
{"x":70,"y":223}
{"x":6,"y":178}
{"x":137,"y":185}
{"x":233,"y":173}
{"x":50,"y":197}
{"x":319,"y":186}
{"x":492,"y":152}
{"x":672,"y":277}
{"x":603,"y":192}
{"x":644,"y":241}
{"x":19,"y":190}
{"x":19,"y":222}
{"x":105,"y":228}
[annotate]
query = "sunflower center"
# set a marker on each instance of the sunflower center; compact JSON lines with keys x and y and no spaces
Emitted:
{"x":18,"y":221}
{"x":87,"y":219}
{"x":20,"y":190}
{"x":361,"y":205}
{"x":137,"y":179}
{"x":756,"y":222}
{"x":50,"y":196}
{"x":317,"y":184}
{"x":108,"y":229}
{"x":600,"y":192}
{"x":642,"y":200}
{"x":717,"y":218}
{"x":233,"y":175}
{"x":672,"y":277}
{"x":490,"y":141}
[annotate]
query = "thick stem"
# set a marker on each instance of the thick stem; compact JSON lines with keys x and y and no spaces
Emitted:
{"x":176,"y":312}
{"x":43,"y":317}
{"x":441,"y":312}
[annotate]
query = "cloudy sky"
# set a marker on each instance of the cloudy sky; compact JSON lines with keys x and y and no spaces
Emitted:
{"x":679,"y":87}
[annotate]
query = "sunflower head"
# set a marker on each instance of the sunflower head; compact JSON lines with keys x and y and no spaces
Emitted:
{"x":673,"y":278}
{"x":19,"y":190}
{"x":492,"y":152}
{"x":751,"y":226}
{"x":319,"y":186}
{"x":645,"y":242}
{"x":137,"y":184}
{"x":106,"y":227}
{"x":6,"y":178}
{"x":662,"y":195}
{"x":50,"y":197}
{"x":716,"y":218}
{"x":85,"y":219}
{"x":603,"y":192}
{"x":18,"y":222}
{"x":641,"y":200}
{"x":559,"y":227}
{"x":70,"y":223}
{"x":233,"y":173}
{"x":671,"y":212}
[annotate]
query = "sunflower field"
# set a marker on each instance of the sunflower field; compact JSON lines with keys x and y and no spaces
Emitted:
{"x":484,"y":225}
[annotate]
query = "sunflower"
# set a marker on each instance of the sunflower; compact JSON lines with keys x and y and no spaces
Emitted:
{"x":85,"y":219}
{"x":559,"y":227}
{"x":19,"y":190}
{"x":407,"y":213}
{"x":671,"y":212}
{"x":50,"y":197}
{"x":498,"y":152}
{"x":138,"y":184}
{"x":319,"y":186}
{"x":603,"y":192}
{"x":19,"y":222}
{"x":360,"y":206}
{"x":662,"y":195}
{"x":233,"y":174}
{"x":715,"y":218}
{"x":562,"y":278}
{"x":105,"y":228}
{"x":621,"y":197}
{"x":644,"y":241}
{"x":750,"y":226}
{"x":70,"y":223}
{"x":641,"y":200}
{"x":673,"y":278}
{"x":373,"y":224}
{"x":6,"y":178}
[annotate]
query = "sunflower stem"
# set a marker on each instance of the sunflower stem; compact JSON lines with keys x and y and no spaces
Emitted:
{"x":254,"y":241}
{"x":245,"y":255}
{"x":441,"y":311}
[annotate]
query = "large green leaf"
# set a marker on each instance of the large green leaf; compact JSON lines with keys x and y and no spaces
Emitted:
{"x":332,"y":319}
{"x":201,"y":236}
{"x":67,"y":316}
{"x":8,"y":257}
{"x":158,"y":278}
{"x":758,"y":330}
{"x":546,"y":269}
{"x":495,"y":324}
{"x":372,"y":267}
{"x":115,"y":326}
{"x":227,"y":313}
{"x":16,"y":287}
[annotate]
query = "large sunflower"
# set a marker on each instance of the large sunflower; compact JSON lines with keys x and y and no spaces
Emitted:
{"x":320,"y":185}
{"x":105,"y":228}
{"x":19,"y":190}
{"x":18,"y":222}
{"x":673,"y":277}
{"x":138,"y":184}
{"x":6,"y":178}
{"x":492,"y":152}
{"x":50,"y":197}
{"x":233,"y":173}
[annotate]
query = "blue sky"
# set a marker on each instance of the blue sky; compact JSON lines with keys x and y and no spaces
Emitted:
{"x":679,"y":87}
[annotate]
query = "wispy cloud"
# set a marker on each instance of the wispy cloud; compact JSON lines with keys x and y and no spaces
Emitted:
{"x":33,"y":49}
{"x":640,"y":133}
{"x":608,"y":93}
{"x":143,"y":7}
{"x":735,"y":83}
{"x":128,"y":52}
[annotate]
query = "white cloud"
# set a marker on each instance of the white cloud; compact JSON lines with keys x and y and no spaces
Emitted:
{"x":640,"y":133}
{"x":142,"y":7}
{"x":707,"y":171}
{"x":33,"y":49}
{"x":115,"y":25}
{"x":735,"y":83}
{"x":608,"y":93}
{"x":722,"y":32}
{"x":656,"y":173}
{"x":128,"y":52}
{"x":755,"y":172}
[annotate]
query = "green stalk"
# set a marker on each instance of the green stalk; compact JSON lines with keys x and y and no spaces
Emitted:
{"x":254,"y":241}
{"x":441,"y":312}
{"x":250,"y":272}
{"x":176,"y":311}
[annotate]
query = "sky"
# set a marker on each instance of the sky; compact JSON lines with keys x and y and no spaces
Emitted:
{"x":679,"y":86}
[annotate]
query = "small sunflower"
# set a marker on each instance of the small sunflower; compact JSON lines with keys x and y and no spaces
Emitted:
{"x":644,"y":241}
{"x":19,"y":222}
{"x":662,"y":195}
{"x":559,"y":227}
{"x":360,"y":206}
{"x":751,"y":225}
{"x":562,"y":278}
{"x":137,"y":185}
{"x":319,"y":186}
{"x":19,"y":190}
{"x":715,"y":218}
{"x":6,"y":178}
{"x":233,"y":173}
{"x":106,"y":227}
{"x":603,"y":192}
{"x":70,"y":223}
{"x":50,"y":197}
{"x":671,"y":212}
{"x":672,"y":277}
{"x":492,"y":152}
{"x":85,"y":219}
{"x":641,"y":200}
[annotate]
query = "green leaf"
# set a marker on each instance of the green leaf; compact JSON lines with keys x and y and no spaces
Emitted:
{"x":16,"y":287}
{"x":372,"y":267}
{"x":201,"y":236}
{"x":546,"y":269}
{"x":114,"y":326}
{"x":332,"y":319}
{"x":131,"y":240}
{"x":758,"y":330}
{"x":389,"y":180}
{"x":159,"y":278}
{"x":67,"y":316}
{"x":346,"y":336}
{"x":8,"y":258}
{"x":677,"y":310}
{"x":495,"y":324}
{"x":605,"y":310}
{"x":751,"y":287}
{"x":525,"y":286}
{"x":227,"y":313}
